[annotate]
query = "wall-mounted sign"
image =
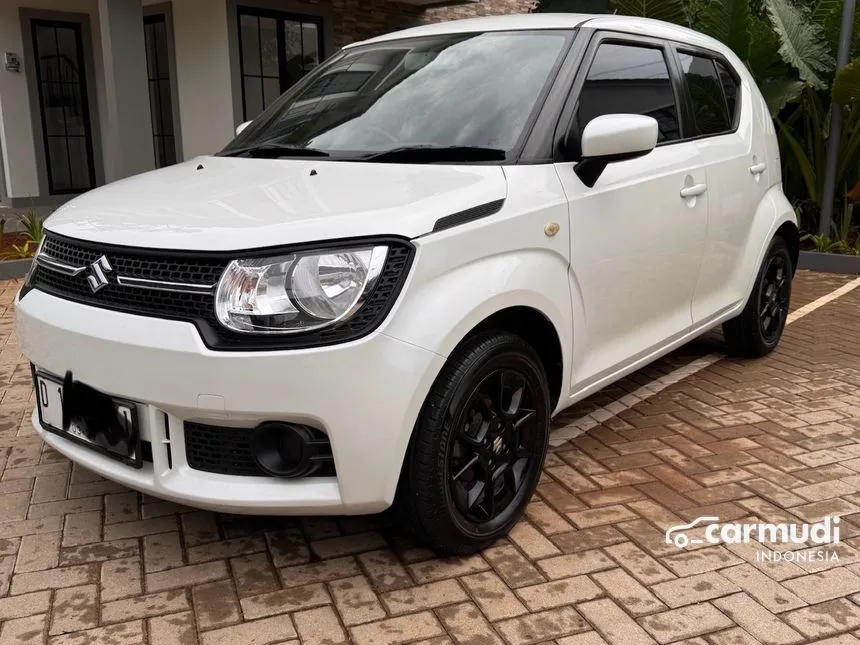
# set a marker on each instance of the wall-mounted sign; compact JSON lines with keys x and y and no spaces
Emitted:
{"x":13,"y":62}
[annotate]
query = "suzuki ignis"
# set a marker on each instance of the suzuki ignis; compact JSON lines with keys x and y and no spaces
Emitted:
{"x":386,"y":285}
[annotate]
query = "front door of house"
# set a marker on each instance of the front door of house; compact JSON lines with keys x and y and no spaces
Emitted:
{"x":63,"y":106}
{"x":275,"y":50}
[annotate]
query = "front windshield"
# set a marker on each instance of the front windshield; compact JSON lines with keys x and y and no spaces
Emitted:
{"x":452,"y":90}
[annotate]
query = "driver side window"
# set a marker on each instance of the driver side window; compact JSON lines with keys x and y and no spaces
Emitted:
{"x":630,"y":79}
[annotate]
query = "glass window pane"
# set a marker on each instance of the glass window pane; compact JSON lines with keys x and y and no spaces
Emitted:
{"x":295,"y":60}
{"x":73,"y":112}
{"x":706,"y":92}
{"x":311,"y":41}
{"x":165,"y":107}
{"x":153,"y":106}
{"x":253,"y":87}
{"x":67,"y":56}
{"x":46,"y":46}
{"x":149,"y":42}
{"x":250,"y":36}
{"x":59,"y":163}
{"x":271,"y":89}
{"x":269,"y":46}
{"x":169,"y":150}
{"x":443,"y":90}
{"x":160,"y":29}
{"x":625,"y":79}
{"x":79,"y":157}
{"x":730,"y":87}
{"x":52,"y":110}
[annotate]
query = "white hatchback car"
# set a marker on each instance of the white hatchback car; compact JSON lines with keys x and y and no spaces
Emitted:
{"x":389,"y":292}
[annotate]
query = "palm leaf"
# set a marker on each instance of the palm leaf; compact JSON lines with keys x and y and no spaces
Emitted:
{"x":764,"y":58}
{"x":846,"y":85}
{"x":729,"y":22}
{"x":779,"y":92}
{"x":668,"y":10}
{"x":802,"y":43}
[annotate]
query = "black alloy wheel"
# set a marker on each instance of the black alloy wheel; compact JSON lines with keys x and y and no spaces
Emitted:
{"x":758,"y":328}
{"x":479,"y":445}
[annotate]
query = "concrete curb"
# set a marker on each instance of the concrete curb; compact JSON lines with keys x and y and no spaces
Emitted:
{"x":829,"y":262}
{"x":14,"y":268}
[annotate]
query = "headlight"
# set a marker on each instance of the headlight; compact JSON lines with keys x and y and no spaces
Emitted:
{"x":297,"y":292}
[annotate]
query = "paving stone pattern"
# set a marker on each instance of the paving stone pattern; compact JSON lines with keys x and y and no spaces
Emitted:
{"x":86,"y":561}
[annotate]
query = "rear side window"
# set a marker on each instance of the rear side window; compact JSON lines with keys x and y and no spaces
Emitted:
{"x":710,"y":110}
{"x":629,"y":79}
{"x":730,"y":88}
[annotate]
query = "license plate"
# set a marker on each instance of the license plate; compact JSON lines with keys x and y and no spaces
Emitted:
{"x":50,"y":404}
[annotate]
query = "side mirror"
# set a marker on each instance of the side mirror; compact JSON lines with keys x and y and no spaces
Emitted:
{"x":611,"y":138}
{"x":241,"y":127}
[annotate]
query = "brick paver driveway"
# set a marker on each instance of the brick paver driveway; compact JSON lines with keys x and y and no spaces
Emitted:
{"x":83,"y":560}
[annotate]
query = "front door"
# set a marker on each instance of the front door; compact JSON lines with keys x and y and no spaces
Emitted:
{"x":275,"y":50}
{"x":63,"y":106}
{"x":637,"y":235}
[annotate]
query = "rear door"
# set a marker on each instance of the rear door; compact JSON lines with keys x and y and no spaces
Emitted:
{"x":736,"y":167}
{"x":637,"y":235}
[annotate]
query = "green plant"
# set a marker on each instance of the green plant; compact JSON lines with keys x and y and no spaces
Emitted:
{"x":843,"y":225}
{"x":21,"y":251}
{"x":822,"y":243}
{"x":33,"y":226}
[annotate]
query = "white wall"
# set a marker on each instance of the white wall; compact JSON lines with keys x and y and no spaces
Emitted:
{"x":203,"y":75}
{"x":16,"y":124}
{"x":202,"y":78}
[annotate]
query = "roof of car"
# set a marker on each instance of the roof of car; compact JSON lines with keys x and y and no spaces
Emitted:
{"x":533,"y":21}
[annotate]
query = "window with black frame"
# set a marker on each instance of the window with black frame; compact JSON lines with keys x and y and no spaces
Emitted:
{"x":276,"y":49}
{"x":710,"y":111}
{"x":63,"y":106}
{"x":160,"y":98}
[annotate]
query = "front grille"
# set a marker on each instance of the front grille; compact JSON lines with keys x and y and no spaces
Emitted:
{"x":227,"y":451}
{"x":201,"y":268}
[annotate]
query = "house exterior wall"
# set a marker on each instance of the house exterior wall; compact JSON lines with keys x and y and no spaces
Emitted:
{"x":205,"y":49}
{"x":19,"y":128}
{"x":483,"y":8}
{"x":203,"y":75}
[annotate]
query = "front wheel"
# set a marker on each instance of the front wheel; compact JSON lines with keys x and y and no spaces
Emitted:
{"x":479,"y":445}
{"x":757,"y":330}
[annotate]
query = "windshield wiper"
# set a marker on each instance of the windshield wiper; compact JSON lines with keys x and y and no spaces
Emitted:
{"x":274,"y":151}
{"x":429,"y":154}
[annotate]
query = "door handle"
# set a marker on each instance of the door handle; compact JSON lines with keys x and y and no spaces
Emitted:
{"x":758,"y":168}
{"x":693,"y":191}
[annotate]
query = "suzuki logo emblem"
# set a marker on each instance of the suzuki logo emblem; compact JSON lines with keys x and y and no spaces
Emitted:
{"x":97,"y":278}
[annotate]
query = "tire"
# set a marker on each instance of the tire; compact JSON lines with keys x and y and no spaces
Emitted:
{"x":758,"y":329}
{"x":490,"y":408}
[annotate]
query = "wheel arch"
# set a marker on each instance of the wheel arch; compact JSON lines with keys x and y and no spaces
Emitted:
{"x":537,"y":330}
{"x":788,"y":231}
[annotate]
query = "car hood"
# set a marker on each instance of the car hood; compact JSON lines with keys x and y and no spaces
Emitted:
{"x":226,"y":203}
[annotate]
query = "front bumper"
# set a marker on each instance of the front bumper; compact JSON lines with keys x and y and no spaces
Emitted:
{"x":365,"y":395}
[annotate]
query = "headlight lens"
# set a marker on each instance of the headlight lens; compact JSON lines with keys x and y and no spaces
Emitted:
{"x":298,"y":292}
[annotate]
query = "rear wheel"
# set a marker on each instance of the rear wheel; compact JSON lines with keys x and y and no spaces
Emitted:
{"x":479,"y":445}
{"x":757,"y":330}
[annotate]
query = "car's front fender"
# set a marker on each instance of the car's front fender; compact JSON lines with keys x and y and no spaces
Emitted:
{"x":439,"y":309}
